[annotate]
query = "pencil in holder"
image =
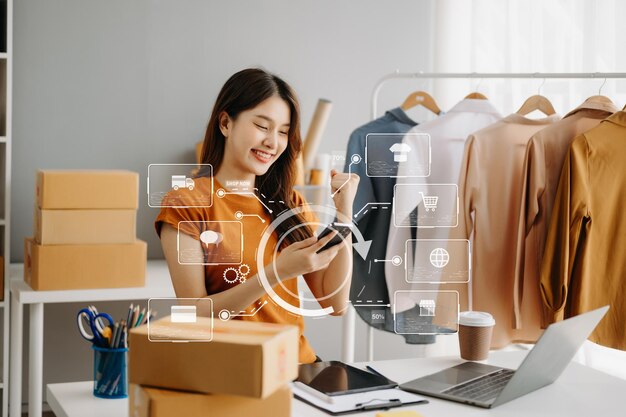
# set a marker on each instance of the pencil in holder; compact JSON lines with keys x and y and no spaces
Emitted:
{"x":110,"y":372}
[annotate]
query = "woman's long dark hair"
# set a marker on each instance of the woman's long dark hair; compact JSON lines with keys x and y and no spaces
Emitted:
{"x":243,"y":91}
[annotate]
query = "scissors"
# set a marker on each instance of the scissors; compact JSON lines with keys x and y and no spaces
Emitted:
{"x":96,"y":330}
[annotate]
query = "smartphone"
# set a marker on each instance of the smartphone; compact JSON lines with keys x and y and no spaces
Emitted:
{"x":343,"y":231}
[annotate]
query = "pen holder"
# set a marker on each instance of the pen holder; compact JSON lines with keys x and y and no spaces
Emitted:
{"x":109,"y":372}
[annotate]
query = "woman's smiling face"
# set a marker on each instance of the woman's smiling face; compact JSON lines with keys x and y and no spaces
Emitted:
{"x":257,"y":137}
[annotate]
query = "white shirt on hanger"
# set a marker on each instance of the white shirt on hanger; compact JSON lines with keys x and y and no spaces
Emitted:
{"x":447,"y":141}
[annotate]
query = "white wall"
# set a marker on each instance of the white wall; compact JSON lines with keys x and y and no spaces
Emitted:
{"x":121,"y":84}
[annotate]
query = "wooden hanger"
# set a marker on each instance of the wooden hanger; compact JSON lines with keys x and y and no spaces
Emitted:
{"x":537,"y":102}
{"x":422,"y":98}
{"x":476,"y":95}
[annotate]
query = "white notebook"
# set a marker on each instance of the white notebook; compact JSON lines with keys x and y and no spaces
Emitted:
{"x":343,"y":404}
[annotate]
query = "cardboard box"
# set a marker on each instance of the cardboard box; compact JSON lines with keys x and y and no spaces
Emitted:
{"x":65,"y":189}
{"x":70,"y":267}
{"x":245,"y":358}
{"x":155,"y":402}
{"x":78,"y":227}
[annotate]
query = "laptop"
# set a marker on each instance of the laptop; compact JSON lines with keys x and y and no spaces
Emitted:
{"x":488,"y":386}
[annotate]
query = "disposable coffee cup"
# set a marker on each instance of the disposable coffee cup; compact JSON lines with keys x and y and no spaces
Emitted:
{"x":475,"y":329}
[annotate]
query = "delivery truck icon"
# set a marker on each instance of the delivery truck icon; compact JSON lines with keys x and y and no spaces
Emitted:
{"x":181,"y":181}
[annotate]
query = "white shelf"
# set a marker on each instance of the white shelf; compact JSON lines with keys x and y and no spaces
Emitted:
{"x":158,"y":284}
{"x":76,"y":399}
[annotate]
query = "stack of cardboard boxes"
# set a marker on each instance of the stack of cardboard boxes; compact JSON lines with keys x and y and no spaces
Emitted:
{"x":85,"y":232}
{"x":243,"y":371}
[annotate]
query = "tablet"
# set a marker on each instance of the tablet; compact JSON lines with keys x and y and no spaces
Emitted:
{"x":337,"y":378}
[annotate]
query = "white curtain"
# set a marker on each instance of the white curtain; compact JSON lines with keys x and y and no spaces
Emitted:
{"x":534,"y":36}
{"x":529,"y":36}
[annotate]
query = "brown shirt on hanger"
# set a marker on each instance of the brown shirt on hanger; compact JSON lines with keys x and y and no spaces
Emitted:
{"x":584,"y":264}
{"x":545,"y":154}
{"x":490,"y":189}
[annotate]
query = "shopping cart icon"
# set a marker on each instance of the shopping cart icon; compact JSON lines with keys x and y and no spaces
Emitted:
{"x":430,"y":201}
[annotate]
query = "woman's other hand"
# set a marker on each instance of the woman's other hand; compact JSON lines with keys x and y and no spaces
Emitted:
{"x":343,"y":188}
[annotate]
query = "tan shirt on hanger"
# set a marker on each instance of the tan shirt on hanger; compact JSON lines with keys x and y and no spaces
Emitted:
{"x":584,"y":264}
{"x":545,"y":154}
{"x":490,"y":189}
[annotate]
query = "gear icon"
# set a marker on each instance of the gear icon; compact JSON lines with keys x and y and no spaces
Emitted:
{"x":244,"y":270}
{"x":231,"y":280}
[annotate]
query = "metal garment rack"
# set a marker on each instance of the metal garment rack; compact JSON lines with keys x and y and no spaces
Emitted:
{"x":490,"y":75}
{"x":350,"y":317}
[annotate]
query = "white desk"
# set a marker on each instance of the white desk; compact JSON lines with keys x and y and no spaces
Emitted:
{"x":158,"y":284}
{"x":580,"y":391}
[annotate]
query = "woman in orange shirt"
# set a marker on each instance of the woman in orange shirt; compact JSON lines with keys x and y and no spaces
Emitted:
{"x":252,"y":142}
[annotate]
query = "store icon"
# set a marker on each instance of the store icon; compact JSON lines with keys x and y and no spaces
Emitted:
{"x":427,"y":308}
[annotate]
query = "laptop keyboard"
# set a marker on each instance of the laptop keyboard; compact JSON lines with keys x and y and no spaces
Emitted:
{"x":484,"y":388}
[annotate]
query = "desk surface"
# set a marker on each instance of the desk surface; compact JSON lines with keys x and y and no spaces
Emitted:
{"x":580,"y":391}
{"x":158,"y":284}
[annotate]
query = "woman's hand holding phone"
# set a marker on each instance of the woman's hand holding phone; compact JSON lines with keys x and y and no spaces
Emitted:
{"x":301,"y":257}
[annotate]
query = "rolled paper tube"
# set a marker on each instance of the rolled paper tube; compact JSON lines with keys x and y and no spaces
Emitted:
{"x":299,"y":171}
{"x":316,"y":131}
{"x":317,"y":177}
{"x":199,"y":152}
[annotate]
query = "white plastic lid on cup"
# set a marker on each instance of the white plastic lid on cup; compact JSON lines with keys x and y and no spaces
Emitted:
{"x":476,"y":319}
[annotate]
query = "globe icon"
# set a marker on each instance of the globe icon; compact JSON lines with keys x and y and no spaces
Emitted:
{"x":439,"y":257}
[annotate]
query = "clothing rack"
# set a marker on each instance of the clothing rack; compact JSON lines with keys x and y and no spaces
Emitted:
{"x":489,"y":75}
{"x":350,"y":317}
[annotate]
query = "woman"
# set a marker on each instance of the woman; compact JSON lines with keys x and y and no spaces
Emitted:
{"x":252,"y":142}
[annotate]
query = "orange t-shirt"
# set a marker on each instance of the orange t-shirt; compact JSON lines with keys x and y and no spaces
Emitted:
{"x":232,"y":248}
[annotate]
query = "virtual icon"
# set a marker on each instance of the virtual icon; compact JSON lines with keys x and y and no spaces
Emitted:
{"x":231,"y":275}
{"x":181,"y":181}
{"x":210,"y":237}
{"x":224,"y":315}
{"x":400,"y":152}
{"x":430,"y":201}
{"x":183,"y":314}
{"x":427,"y":308}
{"x":439,"y":257}
{"x":378,"y":316}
